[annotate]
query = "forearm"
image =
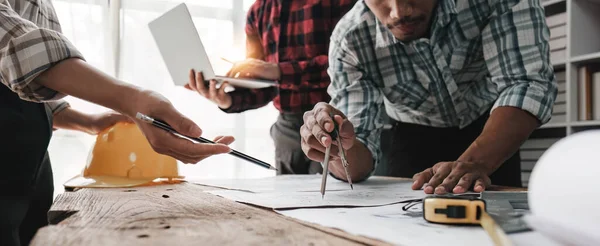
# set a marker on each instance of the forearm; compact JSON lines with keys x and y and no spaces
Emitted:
{"x":505,"y":131}
{"x":71,"y":119}
{"x":360,"y":162}
{"x":76,"y":78}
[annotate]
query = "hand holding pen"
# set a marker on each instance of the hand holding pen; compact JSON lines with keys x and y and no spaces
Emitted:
{"x":164,"y":142}
{"x":200,"y":140}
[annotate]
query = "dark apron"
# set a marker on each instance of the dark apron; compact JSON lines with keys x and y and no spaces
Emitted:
{"x":415,"y":148}
{"x":25,"y":174}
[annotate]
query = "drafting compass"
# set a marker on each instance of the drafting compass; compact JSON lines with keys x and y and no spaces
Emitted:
{"x":334,"y":137}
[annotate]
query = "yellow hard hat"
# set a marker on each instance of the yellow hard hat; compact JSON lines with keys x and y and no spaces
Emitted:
{"x":122,"y":157}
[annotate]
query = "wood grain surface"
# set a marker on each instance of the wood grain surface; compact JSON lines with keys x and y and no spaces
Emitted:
{"x":180,"y":214}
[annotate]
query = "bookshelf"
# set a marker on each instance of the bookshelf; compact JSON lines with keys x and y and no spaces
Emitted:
{"x":575,"y":46}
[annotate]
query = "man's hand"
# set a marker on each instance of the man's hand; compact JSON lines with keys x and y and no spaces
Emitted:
{"x":315,"y":136}
{"x":318,"y":124}
{"x":77,"y":78}
{"x":218,"y":96}
{"x":163,"y":142}
{"x":255,"y":68}
{"x":93,"y":124}
{"x":99,"y":122}
{"x":455,"y":177}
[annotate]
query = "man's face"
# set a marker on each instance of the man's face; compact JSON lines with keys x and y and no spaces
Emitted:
{"x":407,"y":19}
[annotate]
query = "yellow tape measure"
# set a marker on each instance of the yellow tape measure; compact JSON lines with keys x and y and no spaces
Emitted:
{"x":463,"y":210}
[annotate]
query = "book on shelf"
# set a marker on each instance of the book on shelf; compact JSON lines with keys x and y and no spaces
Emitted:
{"x":587,"y":83}
{"x":596,"y":96}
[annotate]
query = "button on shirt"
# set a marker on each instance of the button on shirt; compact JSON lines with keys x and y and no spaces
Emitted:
{"x":479,"y":55}
{"x":30,"y":43}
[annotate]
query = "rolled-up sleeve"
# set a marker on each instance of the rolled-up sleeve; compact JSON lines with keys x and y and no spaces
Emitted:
{"x":57,"y":106}
{"x":517,"y":54}
{"x":355,"y":94}
{"x":26,"y":51}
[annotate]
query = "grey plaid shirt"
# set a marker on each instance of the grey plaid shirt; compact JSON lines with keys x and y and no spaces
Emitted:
{"x":30,"y":43}
{"x":480,"y":55}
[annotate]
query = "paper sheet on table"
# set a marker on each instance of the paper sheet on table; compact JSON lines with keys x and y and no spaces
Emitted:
{"x":361,"y":196}
{"x":289,"y":183}
{"x":393,"y":225}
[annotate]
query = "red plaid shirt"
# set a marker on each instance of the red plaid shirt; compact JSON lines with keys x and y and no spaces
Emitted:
{"x":295,"y":35}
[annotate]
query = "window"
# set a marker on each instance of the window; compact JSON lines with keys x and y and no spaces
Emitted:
{"x":220,"y":26}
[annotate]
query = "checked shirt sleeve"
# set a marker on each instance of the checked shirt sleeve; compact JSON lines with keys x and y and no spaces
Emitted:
{"x":26,"y":51}
{"x":355,"y":94}
{"x":517,"y":53}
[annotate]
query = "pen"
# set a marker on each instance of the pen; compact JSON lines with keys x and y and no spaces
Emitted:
{"x":166,"y":127}
{"x":226,"y":60}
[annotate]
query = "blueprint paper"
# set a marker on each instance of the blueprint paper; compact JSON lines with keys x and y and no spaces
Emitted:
{"x":393,"y":225}
{"x":377,"y":192}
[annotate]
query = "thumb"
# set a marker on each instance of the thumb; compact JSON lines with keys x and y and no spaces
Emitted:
{"x":346,"y":127}
{"x":182,"y":124}
{"x":122,"y":118}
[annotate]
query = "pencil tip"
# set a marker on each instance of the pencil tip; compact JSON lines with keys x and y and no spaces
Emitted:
{"x":272,"y":168}
{"x":351,"y":187}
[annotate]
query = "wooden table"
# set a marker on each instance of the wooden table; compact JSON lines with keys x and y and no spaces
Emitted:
{"x":177,"y":214}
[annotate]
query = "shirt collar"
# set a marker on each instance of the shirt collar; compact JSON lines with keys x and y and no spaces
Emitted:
{"x":446,"y":9}
{"x":383,"y":35}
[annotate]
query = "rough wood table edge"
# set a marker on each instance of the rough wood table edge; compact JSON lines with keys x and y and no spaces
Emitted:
{"x":56,"y":216}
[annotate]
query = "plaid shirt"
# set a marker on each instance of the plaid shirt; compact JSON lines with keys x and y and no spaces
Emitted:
{"x":479,"y":56}
{"x":30,"y":43}
{"x":295,"y":35}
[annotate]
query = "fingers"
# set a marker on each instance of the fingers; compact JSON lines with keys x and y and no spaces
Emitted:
{"x":227,"y":140}
{"x":179,"y":148}
{"x":312,"y":153}
{"x":323,"y":119}
{"x":235,"y":70}
{"x":321,"y":136}
{"x":180,"y":123}
{"x":221,"y":93}
{"x":116,"y":118}
{"x":482,"y":183}
{"x":449,"y":183}
{"x":220,"y":139}
{"x":212,"y":91}
{"x":315,"y":130}
{"x":196,"y":151}
{"x":347,"y":133}
{"x":200,"y":87}
{"x":312,"y":142}
{"x":465,"y":182}
{"x":439,"y":174}
{"x":192,"y":81}
{"x":421,"y":178}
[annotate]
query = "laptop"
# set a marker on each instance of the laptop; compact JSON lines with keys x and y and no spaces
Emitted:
{"x":181,"y":49}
